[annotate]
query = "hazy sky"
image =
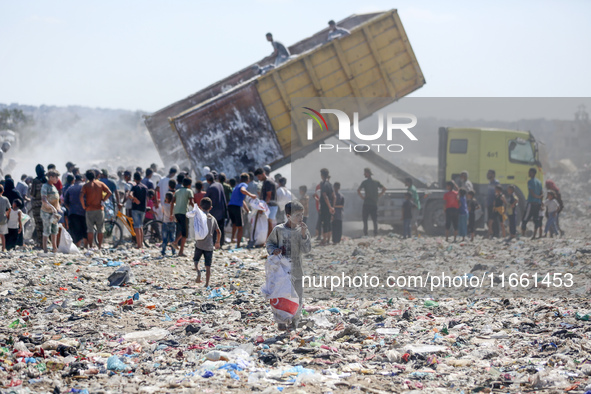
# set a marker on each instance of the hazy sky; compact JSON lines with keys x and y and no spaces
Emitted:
{"x":147,"y":54}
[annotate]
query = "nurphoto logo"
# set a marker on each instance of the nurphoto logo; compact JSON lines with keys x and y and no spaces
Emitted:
{"x":390,"y":122}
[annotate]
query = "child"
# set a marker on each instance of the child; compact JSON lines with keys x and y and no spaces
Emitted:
{"x":172,"y":186}
{"x":152,"y":203}
{"x":199,"y":193}
{"x":292,"y":240}
{"x":407,"y":207}
{"x":206,"y":246}
{"x":337,"y":220}
{"x":451,"y":210}
{"x":499,"y":209}
{"x":512,"y":202}
{"x":552,"y":206}
{"x":463,"y":215}
{"x":15,"y":225}
{"x":473,"y":206}
{"x":168,"y":224}
{"x":4,"y":212}
{"x":305,"y":201}
{"x":153,"y":212}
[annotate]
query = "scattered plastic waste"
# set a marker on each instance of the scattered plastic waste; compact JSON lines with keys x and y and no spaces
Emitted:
{"x":123,"y":320}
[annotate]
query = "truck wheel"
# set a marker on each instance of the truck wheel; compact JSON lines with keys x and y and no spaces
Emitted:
{"x":434,"y":218}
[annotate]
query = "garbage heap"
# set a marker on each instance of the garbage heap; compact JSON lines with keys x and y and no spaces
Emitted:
{"x":131,"y":321}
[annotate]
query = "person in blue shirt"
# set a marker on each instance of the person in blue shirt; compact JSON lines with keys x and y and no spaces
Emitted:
{"x":76,"y":213}
{"x":235,"y":206}
{"x":534,"y":203}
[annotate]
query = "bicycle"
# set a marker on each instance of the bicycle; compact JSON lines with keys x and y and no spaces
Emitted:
{"x":114,"y":234}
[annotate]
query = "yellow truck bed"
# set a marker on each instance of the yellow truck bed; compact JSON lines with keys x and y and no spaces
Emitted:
{"x":244,"y":121}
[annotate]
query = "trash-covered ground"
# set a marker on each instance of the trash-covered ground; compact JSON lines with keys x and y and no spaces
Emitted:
{"x":64,"y":329}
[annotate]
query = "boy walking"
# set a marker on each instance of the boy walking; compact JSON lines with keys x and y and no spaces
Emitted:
{"x":206,"y":246}
{"x":292,"y":240}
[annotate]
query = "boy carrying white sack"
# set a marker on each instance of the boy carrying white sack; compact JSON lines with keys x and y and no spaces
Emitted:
{"x":291,"y":239}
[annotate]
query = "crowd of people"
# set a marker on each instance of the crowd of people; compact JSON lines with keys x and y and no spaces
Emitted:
{"x":78,"y":201}
{"x":501,"y":208}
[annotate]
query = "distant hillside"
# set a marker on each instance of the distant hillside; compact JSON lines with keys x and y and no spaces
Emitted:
{"x":85,"y":136}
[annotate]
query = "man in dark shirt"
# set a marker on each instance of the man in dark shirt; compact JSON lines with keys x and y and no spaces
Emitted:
{"x":215,"y":192}
{"x":138,"y":195}
{"x":337,"y":220}
{"x":327,"y":203}
{"x":268,"y":195}
{"x":280,"y":52}
{"x":76,"y":214}
{"x":370,"y":200}
{"x":147,"y":181}
{"x":493,"y":228}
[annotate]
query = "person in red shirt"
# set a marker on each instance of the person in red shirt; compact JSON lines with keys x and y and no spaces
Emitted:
{"x":451,"y":209}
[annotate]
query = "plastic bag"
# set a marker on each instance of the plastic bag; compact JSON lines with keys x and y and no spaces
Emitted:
{"x":258,"y":205}
{"x":258,"y":219}
{"x":279,"y":290}
{"x":67,"y":245}
{"x":199,"y":223}
{"x":283,"y":197}
{"x":259,"y":226}
{"x":122,"y":276}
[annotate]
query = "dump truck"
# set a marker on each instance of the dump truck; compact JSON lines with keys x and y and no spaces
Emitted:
{"x":244,"y":121}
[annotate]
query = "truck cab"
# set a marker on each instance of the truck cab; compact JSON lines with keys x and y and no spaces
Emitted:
{"x":510,"y":153}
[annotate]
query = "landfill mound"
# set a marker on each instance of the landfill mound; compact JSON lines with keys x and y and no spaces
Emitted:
{"x":130,"y":321}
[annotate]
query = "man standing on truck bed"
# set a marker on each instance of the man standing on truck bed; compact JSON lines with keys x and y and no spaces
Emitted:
{"x":534,"y":202}
{"x":335,"y":31}
{"x":370,"y":200}
{"x":280,"y":52}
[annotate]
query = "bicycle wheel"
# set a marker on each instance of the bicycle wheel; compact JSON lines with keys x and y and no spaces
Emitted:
{"x":112,"y":235}
{"x":152,"y":233}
